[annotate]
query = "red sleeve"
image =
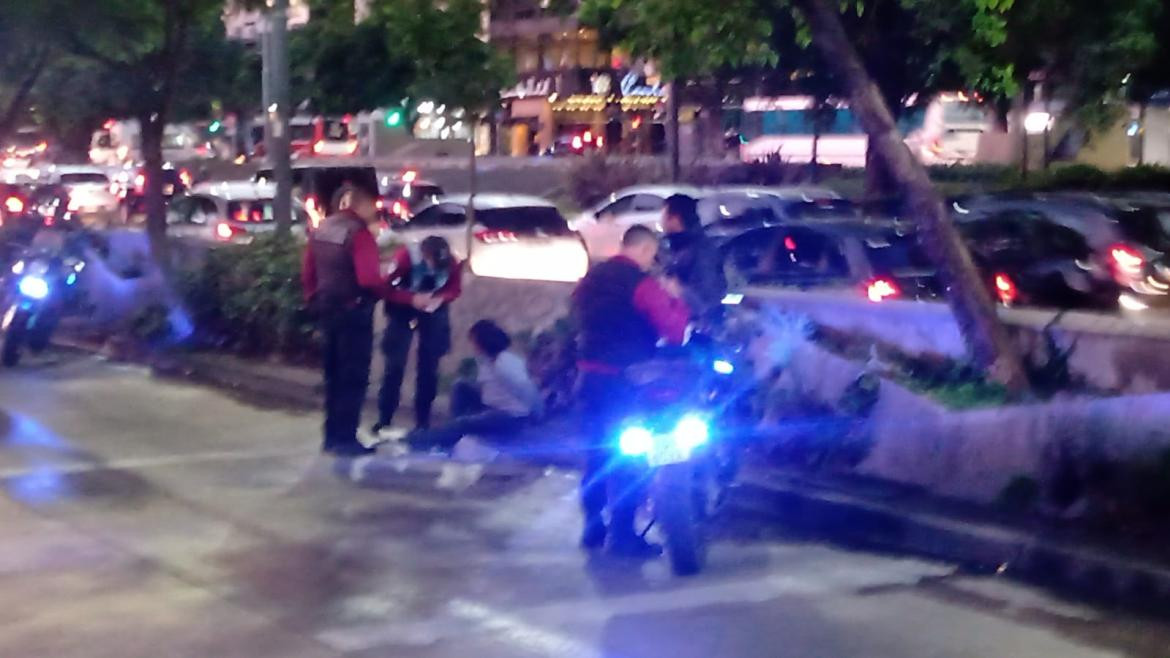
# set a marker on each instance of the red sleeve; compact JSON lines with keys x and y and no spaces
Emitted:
{"x":401,"y":268}
{"x":454,"y":286}
{"x":667,"y":313}
{"x":309,"y":272}
{"x":367,"y":265}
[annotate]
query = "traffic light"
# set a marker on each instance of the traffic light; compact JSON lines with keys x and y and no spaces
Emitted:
{"x":393,"y":118}
{"x":214,"y":126}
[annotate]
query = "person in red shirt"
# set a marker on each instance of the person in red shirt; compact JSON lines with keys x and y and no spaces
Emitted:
{"x":424,"y":280}
{"x":623,"y":313}
{"x":342,"y":283}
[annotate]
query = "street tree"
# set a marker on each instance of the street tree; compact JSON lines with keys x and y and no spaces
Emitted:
{"x":170,"y":68}
{"x":27,"y":32}
{"x":687,"y":39}
{"x":453,"y":63}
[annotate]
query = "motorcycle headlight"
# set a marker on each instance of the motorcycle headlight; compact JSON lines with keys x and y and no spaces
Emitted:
{"x":18,"y":268}
{"x":723,"y":367}
{"x":34,"y":287}
{"x":635,"y":441}
{"x":691,"y":432}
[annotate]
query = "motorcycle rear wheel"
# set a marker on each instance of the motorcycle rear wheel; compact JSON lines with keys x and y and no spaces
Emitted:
{"x":13,"y":340}
{"x":674,"y":509}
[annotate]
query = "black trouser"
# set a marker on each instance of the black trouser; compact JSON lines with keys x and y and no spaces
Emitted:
{"x":349,"y":347}
{"x":434,"y":340}
{"x":469,"y":415}
{"x":606,"y":401}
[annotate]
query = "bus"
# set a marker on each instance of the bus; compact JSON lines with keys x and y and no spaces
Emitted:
{"x":947,"y":130}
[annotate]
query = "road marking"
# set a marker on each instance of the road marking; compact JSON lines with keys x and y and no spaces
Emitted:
{"x":535,"y":628}
{"x":133,"y":463}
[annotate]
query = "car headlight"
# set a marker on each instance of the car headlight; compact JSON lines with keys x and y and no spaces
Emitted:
{"x":723,"y":367}
{"x":34,"y":287}
{"x":635,"y":441}
{"x":691,"y":432}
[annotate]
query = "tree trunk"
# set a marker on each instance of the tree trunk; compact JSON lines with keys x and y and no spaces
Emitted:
{"x":472,"y":184}
{"x":20,"y":96}
{"x":990,"y":344}
{"x":672,"y":138}
{"x":156,"y":215}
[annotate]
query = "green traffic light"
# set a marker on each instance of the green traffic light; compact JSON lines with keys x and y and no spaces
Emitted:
{"x":394,"y":118}
{"x":215,"y":126}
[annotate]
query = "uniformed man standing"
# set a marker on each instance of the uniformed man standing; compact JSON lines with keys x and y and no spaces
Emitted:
{"x":343,"y":284}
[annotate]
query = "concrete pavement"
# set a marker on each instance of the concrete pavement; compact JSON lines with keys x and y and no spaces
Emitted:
{"x":148,"y":518}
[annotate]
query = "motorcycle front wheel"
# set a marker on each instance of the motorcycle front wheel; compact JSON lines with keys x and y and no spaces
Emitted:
{"x":675,"y":512}
{"x":16,"y":326}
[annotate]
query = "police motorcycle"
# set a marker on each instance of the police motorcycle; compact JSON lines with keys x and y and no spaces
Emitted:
{"x":688,"y":436}
{"x":40,"y":285}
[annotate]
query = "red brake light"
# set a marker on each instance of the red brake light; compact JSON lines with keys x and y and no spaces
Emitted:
{"x":398,"y":209}
{"x":577,"y":143}
{"x":409,"y":175}
{"x":600,"y":141}
{"x":380,"y":203}
{"x":140,"y":181}
{"x":224,"y":232}
{"x":14,"y":204}
{"x":588,"y":137}
{"x":880,"y":290}
{"x":1006,"y":289}
{"x":789,"y":243}
{"x":489,"y":236}
{"x":1127,"y":259}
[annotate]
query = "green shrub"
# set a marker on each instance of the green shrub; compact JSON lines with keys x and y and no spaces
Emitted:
{"x":248,"y":298}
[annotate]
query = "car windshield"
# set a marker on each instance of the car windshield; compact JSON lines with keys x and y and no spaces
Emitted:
{"x":736,"y":211}
{"x":336,"y":129}
{"x":85,"y":177}
{"x":893,"y":254}
{"x":524,"y":220}
{"x":1149,"y":226}
{"x":251,"y":210}
{"x":301,"y":132}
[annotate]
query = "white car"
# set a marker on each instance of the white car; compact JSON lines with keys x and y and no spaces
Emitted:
{"x":232,"y":212}
{"x":603,"y":226}
{"x":514,"y":236}
{"x":92,"y":190}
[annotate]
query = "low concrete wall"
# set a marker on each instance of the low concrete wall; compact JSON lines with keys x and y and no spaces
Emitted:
{"x":973,"y":454}
{"x":1122,"y":353}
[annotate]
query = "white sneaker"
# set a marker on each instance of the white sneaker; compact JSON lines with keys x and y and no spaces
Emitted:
{"x":392,"y":433}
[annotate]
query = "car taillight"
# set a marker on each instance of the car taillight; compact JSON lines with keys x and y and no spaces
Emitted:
{"x":380,"y":203}
{"x":489,"y":236}
{"x":600,"y":141}
{"x":578,"y":144}
{"x":140,"y":181}
{"x":398,"y":209}
{"x":185,"y":177}
{"x":879,"y":290}
{"x":14,"y":204}
{"x":1006,"y":289}
{"x":314,"y":212}
{"x":225,"y":232}
{"x":318,"y":147}
{"x":409,"y":175}
{"x":1127,"y":259}
{"x":789,"y":243}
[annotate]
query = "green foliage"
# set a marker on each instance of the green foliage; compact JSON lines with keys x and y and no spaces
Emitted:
{"x":249,"y":299}
{"x":687,"y":38}
{"x":1088,"y":177}
{"x":452,"y":65}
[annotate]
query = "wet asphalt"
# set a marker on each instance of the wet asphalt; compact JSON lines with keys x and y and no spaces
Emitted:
{"x":144,"y":517}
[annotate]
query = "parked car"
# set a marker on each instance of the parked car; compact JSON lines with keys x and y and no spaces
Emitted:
{"x":314,"y":185}
{"x":871,"y":260}
{"x":24,"y":148}
{"x":227,"y":212}
{"x":603,"y":225}
{"x":1071,"y":250}
{"x":729,"y":212}
{"x":90,"y":192}
{"x":402,"y":194}
{"x":174,"y":182}
{"x":514,"y":236}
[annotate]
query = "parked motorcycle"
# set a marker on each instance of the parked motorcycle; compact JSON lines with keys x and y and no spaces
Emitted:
{"x":687,"y":439}
{"x":40,"y":287}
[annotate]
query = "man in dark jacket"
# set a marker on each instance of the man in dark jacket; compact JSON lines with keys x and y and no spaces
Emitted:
{"x":424,"y":280}
{"x":691,"y":257}
{"x":623,"y":313}
{"x":342,"y":283}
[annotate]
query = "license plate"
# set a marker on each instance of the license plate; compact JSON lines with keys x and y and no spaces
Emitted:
{"x":665,"y":453}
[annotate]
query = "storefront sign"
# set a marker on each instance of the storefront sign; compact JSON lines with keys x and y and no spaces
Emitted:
{"x":630,"y":87}
{"x":534,"y":86}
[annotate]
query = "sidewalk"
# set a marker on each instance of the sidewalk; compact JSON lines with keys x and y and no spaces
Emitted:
{"x":867,"y":513}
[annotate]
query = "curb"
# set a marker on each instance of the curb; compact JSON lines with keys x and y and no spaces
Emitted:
{"x":1078,"y":570}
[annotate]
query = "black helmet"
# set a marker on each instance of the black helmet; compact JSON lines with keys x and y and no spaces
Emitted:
{"x":438,"y":250}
